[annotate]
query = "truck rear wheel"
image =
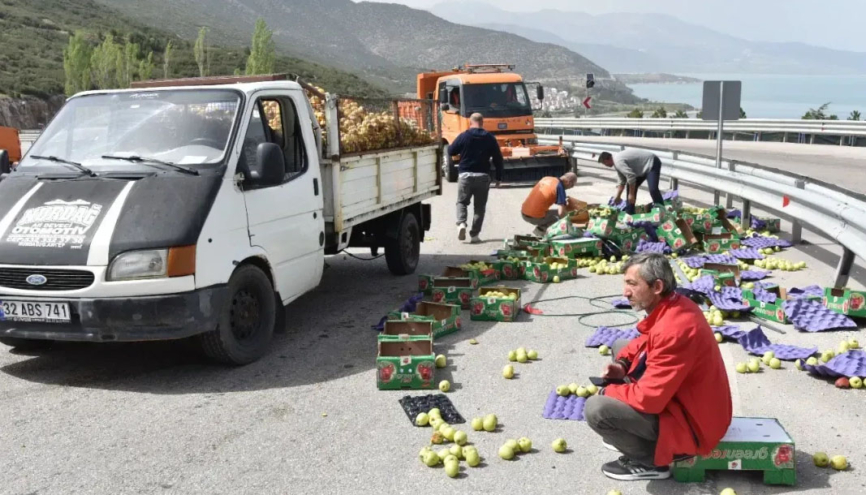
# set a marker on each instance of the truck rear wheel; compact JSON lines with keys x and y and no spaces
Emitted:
{"x":403,"y":252}
{"x":449,"y":170}
{"x":26,"y":344}
{"x":246,"y":325}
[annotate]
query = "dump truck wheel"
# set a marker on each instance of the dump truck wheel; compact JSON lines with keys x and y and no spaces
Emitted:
{"x":449,"y":170}
{"x":402,"y":253}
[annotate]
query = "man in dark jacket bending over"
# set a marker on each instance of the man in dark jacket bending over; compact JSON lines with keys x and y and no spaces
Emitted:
{"x":476,"y":147}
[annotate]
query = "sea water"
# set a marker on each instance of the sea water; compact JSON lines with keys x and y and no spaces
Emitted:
{"x":772,"y":96}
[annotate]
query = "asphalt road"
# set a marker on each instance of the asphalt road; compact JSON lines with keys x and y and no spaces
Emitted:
{"x":156,"y":418}
{"x":843,"y":165}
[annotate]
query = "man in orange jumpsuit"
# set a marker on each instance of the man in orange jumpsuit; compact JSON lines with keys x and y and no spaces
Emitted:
{"x":547,"y":192}
{"x":668,"y":395}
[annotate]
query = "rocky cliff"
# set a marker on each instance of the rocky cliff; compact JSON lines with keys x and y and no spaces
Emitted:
{"x":28,"y":113}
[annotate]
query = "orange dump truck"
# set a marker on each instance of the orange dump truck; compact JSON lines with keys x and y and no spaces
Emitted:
{"x":500,"y":95}
{"x":10,"y":148}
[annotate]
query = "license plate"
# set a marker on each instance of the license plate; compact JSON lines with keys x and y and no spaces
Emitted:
{"x":35,"y":311}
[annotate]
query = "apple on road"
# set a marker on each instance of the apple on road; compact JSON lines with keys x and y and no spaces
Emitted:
{"x":506,"y":452}
{"x":839,"y":462}
{"x":532,"y":355}
{"x":444,"y":385}
{"x":820,"y":459}
{"x":460,"y":437}
{"x":742,"y":368}
{"x":525,"y":444}
{"x":775,"y":363}
{"x":490,"y":421}
{"x":582,"y":392}
{"x":422,"y":419}
{"x":591,"y":389}
{"x":508,"y":372}
{"x":431,"y":459}
{"x":559,"y":445}
{"x":855,"y":382}
{"x":477,"y":424}
{"x":452,"y":469}
{"x":441,"y":361}
{"x":472,"y":458}
{"x":512,"y":356}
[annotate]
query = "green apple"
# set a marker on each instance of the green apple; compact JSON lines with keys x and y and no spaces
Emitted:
{"x":617,"y":492}
{"x":533,"y":355}
{"x":490,"y":422}
{"x":432,"y":459}
{"x":477,"y":424}
{"x":442,"y":426}
{"x":508,"y":372}
{"x":800,"y":364}
{"x":444,"y":385}
{"x":582,"y":392}
{"x":424,"y":450}
{"x":422,"y":419}
{"x":563,"y":391}
{"x":449,"y":433}
{"x":452,"y":469}
{"x":443,"y":453}
{"x":719,"y":337}
{"x":853,"y":344}
{"x":572,"y":387}
{"x":844,"y":346}
{"x":718,"y":320}
{"x":856,"y":382}
{"x":456,"y":451}
{"x":435,"y":413}
{"x":839,"y":462}
{"x":522,"y":357}
{"x":775,"y":363}
{"x":525,"y":444}
{"x":604,"y":350}
{"x":473,"y":341}
{"x":754,"y":366}
{"x":521,"y":350}
{"x":467,"y":449}
{"x":472,"y":458}
{"x":451,"y":458}
{"x":556,"y":279}
{"x":440,"y":361}
{"x":728,"y":491}
{"x":559,"y":445}
{"x":591,"y":389}
{"x":512,"y":356}
{"x":812,"y":361}
{"x":460,"y":437}
{"x":506,"y":452}
{"x":513,"y":444}
{"x":826,"y":356}
{"x":742,"y":368}
{"x":820,"y":459}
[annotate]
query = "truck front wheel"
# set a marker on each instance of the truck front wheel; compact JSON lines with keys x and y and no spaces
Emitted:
{"x":246,"y":324}
{"x":402,"y":253}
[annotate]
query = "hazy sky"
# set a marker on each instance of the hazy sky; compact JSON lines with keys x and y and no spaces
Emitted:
{"x":832,"y":23}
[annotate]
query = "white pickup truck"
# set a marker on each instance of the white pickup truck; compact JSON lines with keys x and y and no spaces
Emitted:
{"x":198,"y":207}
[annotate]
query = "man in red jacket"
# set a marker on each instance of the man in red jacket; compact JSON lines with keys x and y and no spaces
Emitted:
{"x":668,"y":395}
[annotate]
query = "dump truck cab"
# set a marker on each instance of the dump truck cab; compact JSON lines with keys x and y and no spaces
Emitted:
{"x":502,"y":97}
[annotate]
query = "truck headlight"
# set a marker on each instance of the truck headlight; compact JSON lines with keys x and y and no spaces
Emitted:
{"x":153,"y":263}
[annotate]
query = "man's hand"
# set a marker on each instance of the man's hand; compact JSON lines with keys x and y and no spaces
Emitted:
{"x":614,"y":371}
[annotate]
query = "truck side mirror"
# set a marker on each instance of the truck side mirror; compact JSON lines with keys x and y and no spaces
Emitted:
{"x":539,"y":92}
{"x":270,"y":165}
{"x":443,"y":95}
{"x":444,"y":107}
{"x":5,"y":166}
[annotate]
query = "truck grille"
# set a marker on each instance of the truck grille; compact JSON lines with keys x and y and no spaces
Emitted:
{"x":16,"y":278}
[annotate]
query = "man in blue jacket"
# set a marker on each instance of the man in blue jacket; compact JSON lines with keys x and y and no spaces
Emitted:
{"x":476,"y":148}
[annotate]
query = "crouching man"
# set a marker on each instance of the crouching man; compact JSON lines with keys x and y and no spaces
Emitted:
{"x":667,"y":395}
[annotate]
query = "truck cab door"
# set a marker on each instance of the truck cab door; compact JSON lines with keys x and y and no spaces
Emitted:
{"x":451,"y":125}
{"x":285,"y":219}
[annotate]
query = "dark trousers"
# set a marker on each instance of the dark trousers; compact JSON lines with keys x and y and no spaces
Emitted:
{"x":474,"y":189}
{"x":632,"y":432}
{"x":652,"y":179}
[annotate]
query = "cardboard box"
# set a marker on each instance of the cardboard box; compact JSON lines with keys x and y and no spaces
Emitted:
{"x":701,"y":222}
{"x":676,"y":233}
{"x":768,"y":311}
{"x":543,"y":273}
{"x":845,"y":301}
{"x":603,"y":226}
{"x":444,"y":317}
{"x":655,"y":215}
{"x":512,"y":253}
{"x":751,"y":444}
{"x":404,"y":364}
{"x":484,"y":277}
{"x":406,"y":330}
{"x":452,"y":291}
{"x":425,"y":282}
{"x":485,"y":307}
{"x":523,"y":241}
{"x":723,"y":274}
{"x":508,"y":269}
{"x":565,"y":227}
{"x":718,"y":243}
{"x":576,"y":248}
{"x":627,"y":239}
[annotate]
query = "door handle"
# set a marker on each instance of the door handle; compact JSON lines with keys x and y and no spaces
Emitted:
{"x":315,"y":187}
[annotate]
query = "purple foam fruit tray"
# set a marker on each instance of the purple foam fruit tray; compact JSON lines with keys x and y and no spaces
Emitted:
{"x":558,"y":407}
{"x":762,"y":295}
{"x":730,"y":332}
{"x":848,"y":364}
{"x":761,"y":242}
{"x":621,"y":303}
{"x":806,"y":292}
{"x":812,"y":316}
{"x":644,"y":246}
{"x":757,"y":343}
{"x":725,"y":259}
{"x":728,"y":302}
{"x":749,"y":253}
{"x":753,"y":275}
{"x":608,"y":335}
{"x":695,"y":261}
{"x":703,"y":284}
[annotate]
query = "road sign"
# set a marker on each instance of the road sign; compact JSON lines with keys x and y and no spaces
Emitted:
{"x":721,"y":94}
{"x":721,"y":103}
{"x":590,"y":81}
{"x":586,"y":102}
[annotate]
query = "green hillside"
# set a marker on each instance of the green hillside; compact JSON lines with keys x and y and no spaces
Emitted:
{"x":33,"y":34}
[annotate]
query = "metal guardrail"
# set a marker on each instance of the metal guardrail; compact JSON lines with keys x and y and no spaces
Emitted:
{"x":836,"y":212}
{"x":840,"y":128}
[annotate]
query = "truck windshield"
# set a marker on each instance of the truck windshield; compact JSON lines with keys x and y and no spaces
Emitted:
{"x":496,"y":100}
{"x":177,"y":126}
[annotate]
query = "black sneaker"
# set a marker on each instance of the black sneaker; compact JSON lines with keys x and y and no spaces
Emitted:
{"x":625,"y":469}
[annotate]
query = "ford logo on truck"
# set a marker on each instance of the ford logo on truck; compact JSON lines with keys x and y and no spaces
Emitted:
{"x":36,"y":279}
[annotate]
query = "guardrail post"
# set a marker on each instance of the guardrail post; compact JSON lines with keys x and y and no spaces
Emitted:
{"x":796,"y":226}
{"x":785,"y":137}
{"x":843,"y":269}
{"x":729,"y":198}
{"x":746,"y":218}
